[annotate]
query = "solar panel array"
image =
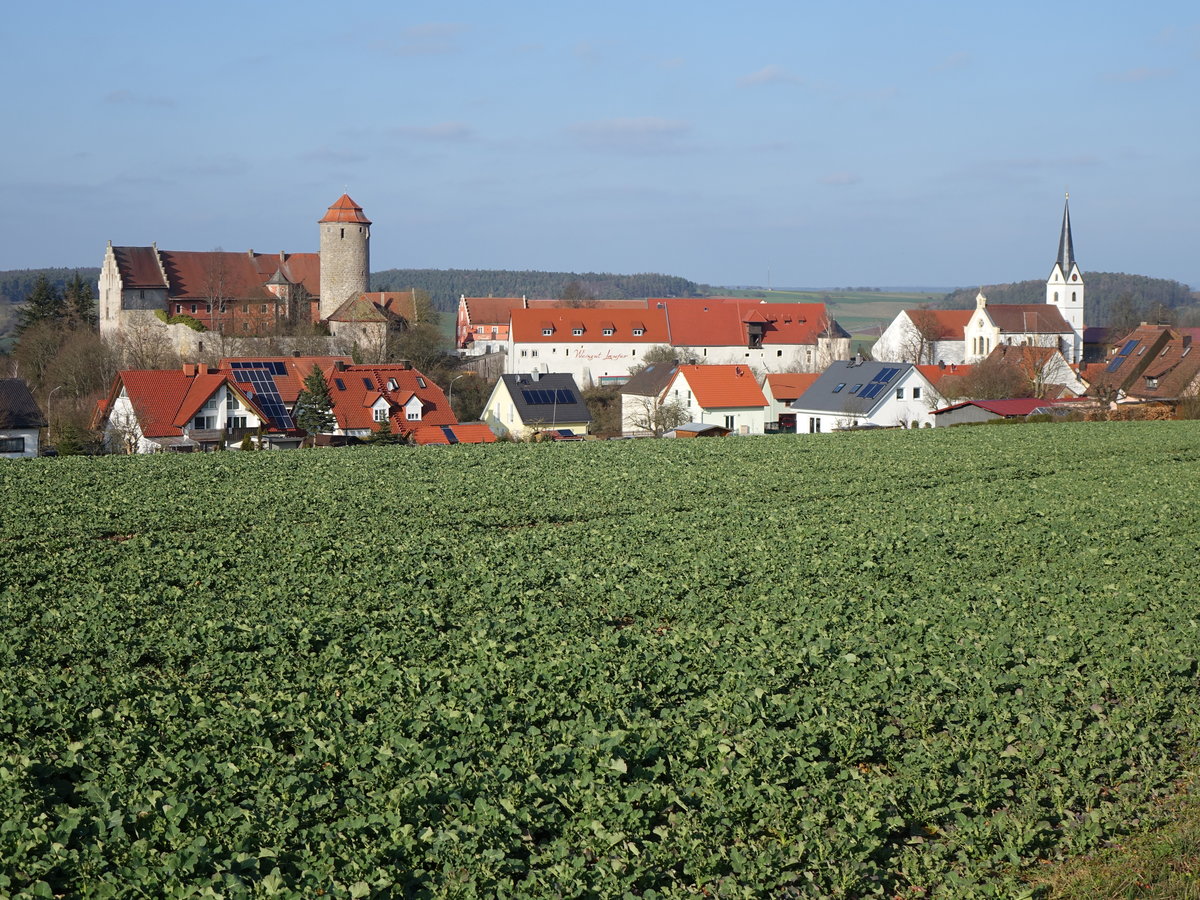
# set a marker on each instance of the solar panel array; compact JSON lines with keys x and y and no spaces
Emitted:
{"x":1122,"y":355}
{"x":261,"y":378}
{"x":274,"y":368}
{"x":879,"y":383}
{"x":538,"y":397}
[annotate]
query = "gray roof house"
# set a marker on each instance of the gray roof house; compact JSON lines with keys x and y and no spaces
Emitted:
{"x":523,"y":405}
{"x":858,"y":393}
{"x":20,"y":420}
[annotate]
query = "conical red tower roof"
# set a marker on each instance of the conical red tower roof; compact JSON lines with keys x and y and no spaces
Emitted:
{"x":345,"y":210}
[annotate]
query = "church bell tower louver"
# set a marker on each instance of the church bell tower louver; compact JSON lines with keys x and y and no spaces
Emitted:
{"x":1064,"y":287}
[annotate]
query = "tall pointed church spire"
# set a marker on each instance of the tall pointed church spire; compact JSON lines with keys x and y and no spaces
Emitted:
{"x":1066,"y":249}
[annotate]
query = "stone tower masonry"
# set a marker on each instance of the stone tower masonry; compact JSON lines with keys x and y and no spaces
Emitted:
{"x":345,"y":254}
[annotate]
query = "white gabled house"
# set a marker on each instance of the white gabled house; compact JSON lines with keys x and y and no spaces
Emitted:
{"x":726,"y":395}
{"x":859,"y":393}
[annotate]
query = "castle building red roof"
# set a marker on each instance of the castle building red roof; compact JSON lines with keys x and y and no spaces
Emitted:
{"x":622,"y":325}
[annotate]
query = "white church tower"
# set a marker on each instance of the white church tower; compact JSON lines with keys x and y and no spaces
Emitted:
{"x":1064,"y":287}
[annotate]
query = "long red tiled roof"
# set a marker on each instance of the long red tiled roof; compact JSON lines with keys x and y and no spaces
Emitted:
{"x":528,"y":325}
{"x":345,"y":210}
{"x":1028,"y":318}
{"x":205,"y":275}
{"x":722,"y":322}
{"x":722,"y":387}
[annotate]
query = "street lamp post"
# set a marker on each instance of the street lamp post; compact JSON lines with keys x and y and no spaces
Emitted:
{"x":49,"y":397}
{"x":452,"y":380}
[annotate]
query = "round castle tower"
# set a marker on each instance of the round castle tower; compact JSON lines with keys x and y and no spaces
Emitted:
{"x":345,"y":254}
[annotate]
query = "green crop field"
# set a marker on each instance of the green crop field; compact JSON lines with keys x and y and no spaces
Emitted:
{"x":893,"y":664}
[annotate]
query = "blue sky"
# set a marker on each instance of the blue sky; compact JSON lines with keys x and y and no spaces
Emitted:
{"x":795,"y":143}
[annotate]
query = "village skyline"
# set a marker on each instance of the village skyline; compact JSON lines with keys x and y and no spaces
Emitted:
{"x":769,"y":146}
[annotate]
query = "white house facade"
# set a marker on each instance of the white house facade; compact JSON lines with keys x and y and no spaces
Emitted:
{"x":861,"y":393}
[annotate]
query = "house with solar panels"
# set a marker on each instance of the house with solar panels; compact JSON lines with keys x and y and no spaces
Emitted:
{"x":1153,"y":363}
{"x":521,"y":406}
{"x":858,"y":393}
{"x":193,"y":408}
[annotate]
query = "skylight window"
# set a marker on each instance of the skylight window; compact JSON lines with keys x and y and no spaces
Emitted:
{"x":839,"y":387}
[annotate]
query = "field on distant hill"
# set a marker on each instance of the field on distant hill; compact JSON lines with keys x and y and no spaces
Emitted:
{"x":858,"y":665}
{"x":862,"y":313}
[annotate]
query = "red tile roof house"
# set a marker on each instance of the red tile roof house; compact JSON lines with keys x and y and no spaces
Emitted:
{"x":726,"y":395}
{"x":401,"y":400}
{"x":482,"y":323}
{"x":196,"y":407}
{"x":1151,"y":364}
{"x":593,"y":346}
{"x":772,"y":337}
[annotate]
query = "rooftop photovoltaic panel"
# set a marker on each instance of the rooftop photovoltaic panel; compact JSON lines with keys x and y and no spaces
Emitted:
{"x":450,"y":435}
{"x":265,"y":394}
{"x":539,"y":396}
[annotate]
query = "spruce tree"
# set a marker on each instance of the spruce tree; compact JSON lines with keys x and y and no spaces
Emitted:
{"x":43,"y":304}
{"x":314,"y":406}
{"x":80,"y":303}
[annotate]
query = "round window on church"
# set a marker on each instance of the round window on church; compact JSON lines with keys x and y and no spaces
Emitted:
{"x":1074,"y":276}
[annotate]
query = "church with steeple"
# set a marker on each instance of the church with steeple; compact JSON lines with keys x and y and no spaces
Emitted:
{"x":1064,"y":287}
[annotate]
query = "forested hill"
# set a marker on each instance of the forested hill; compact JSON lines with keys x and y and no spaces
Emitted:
{"x":1112,"y":297}
{"x":16,"y":284}
{"x":446,"y":285}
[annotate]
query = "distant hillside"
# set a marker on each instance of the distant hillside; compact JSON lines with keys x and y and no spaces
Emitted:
{"x":1111,"y":297}
{"x":16,"y":285}
{"x":446,"y":285}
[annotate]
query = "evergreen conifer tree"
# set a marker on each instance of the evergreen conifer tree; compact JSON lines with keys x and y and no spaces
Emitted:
{"x":314,"y":406}
{"x":80,"y":303}
{"x":44,"y":303}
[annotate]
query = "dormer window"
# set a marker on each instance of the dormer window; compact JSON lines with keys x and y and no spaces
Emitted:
{"x":1151,"y":382}
{"x":638,"y":332}
{"x":578,"y":332}
{"x":413,"y":415}
{"x":381,"y":414}
{"x":547,"y":332}
{"x":392,"y":384}
{"x":609,"y":332}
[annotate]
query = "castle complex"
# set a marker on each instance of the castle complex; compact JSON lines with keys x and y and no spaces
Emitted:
{"x":249,"y":294}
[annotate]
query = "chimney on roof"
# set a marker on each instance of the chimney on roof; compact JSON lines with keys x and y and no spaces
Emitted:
{"x":282,"y":256}
{"x":296,"y":354}
{"x":339,"y":366}
{"x":189,"y":370}
{"x":250,"y":253}
{"x":535,"y":375}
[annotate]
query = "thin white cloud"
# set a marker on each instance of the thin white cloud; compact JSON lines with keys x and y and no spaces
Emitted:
{"x":442,"y":131}
{"x":957,"y":60}
{"x":769,"y":75}
{"x":428,"y":39}
{"x":644,"y":134}
{"x":1139,"y":75}
{"x":840,"y":179}
{"x":331,"y":155}
{"x":131,"y":98}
